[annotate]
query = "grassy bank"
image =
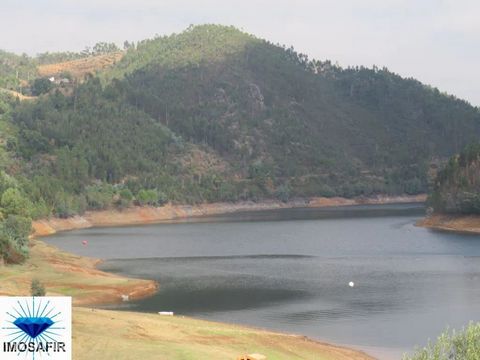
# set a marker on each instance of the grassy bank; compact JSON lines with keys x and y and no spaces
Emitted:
{"x":69,"y":275}
{"x":111,"y":335}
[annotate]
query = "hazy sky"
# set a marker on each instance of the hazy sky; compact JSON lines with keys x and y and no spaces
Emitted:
{"x":435,"y":41}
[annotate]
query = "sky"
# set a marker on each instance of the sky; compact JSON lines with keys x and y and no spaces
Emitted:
{"x":435,"y":41}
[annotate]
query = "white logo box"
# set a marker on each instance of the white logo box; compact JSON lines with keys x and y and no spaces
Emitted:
{"x":35,"y":328}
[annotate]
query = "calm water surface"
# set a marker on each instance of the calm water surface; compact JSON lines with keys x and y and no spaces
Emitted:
{"x":289,"y":270}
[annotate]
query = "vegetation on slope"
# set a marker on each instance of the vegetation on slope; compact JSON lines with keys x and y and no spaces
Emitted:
{"x":214,"y":114}
{"x":309,"y":126}
{"x":457,"y":186}
{"x":15,"y":207}
{"x":14,"y":69}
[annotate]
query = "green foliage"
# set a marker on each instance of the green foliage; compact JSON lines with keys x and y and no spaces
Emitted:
{"x":457,"y":185}
{"x":41,"y":86}
{"x":15,"y":203}
{"x":67,"y":205}
{"x":37,"y":288}
{"x":124,"y":199}
{"x":14,"y":68}
{"x":463,"y":345}
{"x":283,"y":193}
{"x":99,"y":196}
{"x":150,"y":197}
{"x":14,"y":231}
{"x":248,"y":100}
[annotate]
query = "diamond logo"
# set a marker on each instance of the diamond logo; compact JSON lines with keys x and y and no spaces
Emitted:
{"x":33,"y":326}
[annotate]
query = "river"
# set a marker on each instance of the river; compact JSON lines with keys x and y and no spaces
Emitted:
{"x":290,"y":269}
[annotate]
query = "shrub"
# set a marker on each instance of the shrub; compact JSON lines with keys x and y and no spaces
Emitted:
{"x":14,"y":231}
{"x":283,"y":193}
{"x":37,"y":288}
{"x":464,"y":345}
{"x":147,"y":197}
{"x":13,"y":202}
{"x":99,"y":196}
{"x":124,"y":198}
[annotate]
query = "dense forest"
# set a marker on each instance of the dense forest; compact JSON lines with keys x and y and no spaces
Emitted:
{"x":214,"y":114}
{"x":457,"y":185}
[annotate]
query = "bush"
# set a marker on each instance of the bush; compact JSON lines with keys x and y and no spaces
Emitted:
{"x":464,"y":345}
{"x":148,"y":197}
{"x":41,"y":86}
{"x":14,"y":231}
{"x":283,"y":193}
{"x":99,"y":197}
{"x":124,"y":198}
{"x":37,"y":288}
{"x":13,"y":202}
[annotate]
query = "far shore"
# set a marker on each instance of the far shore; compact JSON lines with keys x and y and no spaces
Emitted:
{"x":469,"y":224}
{"x":149,"y":215}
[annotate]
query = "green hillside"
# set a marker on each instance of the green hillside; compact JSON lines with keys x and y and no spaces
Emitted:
{"x":457,"y":186}
{"x":314,"y":126}
{"x":214,"y":114}
{"x":14,"y":69}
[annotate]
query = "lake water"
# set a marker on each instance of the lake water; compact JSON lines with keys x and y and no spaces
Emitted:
{"x":290,"y":269}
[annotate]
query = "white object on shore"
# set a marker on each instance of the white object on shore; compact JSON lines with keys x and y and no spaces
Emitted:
{"x":351,"y":284}
{"x":165,"y":313}
{"x":125,"y":297}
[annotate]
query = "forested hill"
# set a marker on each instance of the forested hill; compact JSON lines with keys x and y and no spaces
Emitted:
{"x":214,"y":114}
{"x":457,"y":186}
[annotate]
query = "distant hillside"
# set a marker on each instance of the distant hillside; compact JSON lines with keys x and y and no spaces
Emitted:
{"x":457,"y":186}
{"x":214,"y":114}
{"x":312,"y":124}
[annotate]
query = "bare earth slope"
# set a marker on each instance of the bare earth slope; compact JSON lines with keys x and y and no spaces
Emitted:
{"x":456,"y":223}
{"x":81,"y":67}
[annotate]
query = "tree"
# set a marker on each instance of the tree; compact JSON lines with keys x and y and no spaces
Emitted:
{"x":13,"y":202}
{"x":37,"y":288}
{"x":14,"y":233}
{"x":41,"y":86}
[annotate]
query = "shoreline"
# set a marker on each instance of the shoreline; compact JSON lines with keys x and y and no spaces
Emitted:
{"x":150,"y":215}
{"x":466,"y":224}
